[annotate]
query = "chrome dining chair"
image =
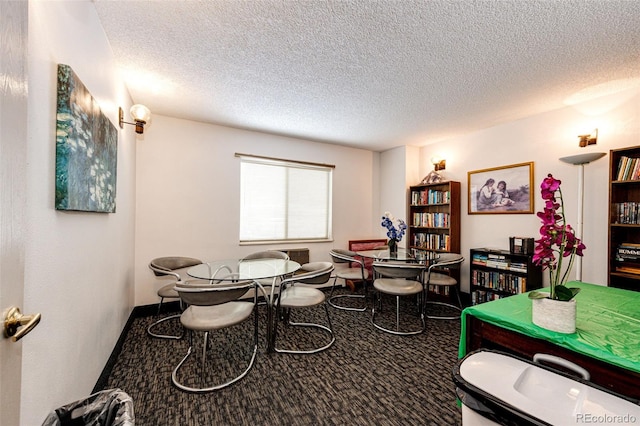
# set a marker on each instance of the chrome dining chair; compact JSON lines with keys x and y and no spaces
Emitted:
{"x":298,"y":292}
{"x":214,"y":307}
{"x":439,"y":275}
{"x":268,"y":254}
{"x":348,"y":266}
{"x":398,"y":280}
{"x":168,"y":266}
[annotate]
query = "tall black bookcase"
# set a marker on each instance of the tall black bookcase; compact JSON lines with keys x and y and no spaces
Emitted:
{"x":434,"y":225}
{"x":624,"y":218}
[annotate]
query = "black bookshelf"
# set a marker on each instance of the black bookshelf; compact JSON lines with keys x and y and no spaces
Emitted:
{"x":495,"y":274}
{"x":624,"y":218}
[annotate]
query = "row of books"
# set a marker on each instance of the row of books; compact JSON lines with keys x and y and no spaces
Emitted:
{"x":481,"y":296}
{"x":628,"y":212}
{"x":430,"y":196}
{"x":437,"y":289}
{"x":628,"y":168}
{"x":628,"y":258}
{"x":432,"y":241}
{"x":431,"y":220}
{"x":628,"y":251}
{"x":499,"y":281}
{"x":498,"y":261}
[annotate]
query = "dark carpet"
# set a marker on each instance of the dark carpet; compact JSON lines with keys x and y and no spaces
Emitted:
{"x":367,"y":377}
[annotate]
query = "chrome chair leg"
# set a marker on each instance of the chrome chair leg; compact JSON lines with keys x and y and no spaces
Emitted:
{"x":174,"y":373}
{"x":397,"y":330}
{"x":347,"y":296}
{"x":448,"y":305}
{"x":288,"y":322}
{"x":160,"y":321}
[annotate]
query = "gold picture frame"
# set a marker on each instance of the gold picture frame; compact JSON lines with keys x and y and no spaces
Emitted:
{"x":501,"y":190}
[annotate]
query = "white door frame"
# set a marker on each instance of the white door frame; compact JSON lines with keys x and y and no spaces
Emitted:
{"x":13,"y":177}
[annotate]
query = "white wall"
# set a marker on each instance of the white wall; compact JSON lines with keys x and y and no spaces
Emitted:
{"x":188,"y":203}
{"x":543,"y":139}
{"x":78,"y":266}
{"x":399,"y":169}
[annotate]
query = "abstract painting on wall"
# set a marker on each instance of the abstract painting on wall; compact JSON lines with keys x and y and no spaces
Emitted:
{"x":86,"y":149}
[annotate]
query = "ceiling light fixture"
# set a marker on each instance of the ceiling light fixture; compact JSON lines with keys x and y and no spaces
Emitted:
{"x":588,"y":139}
{"x":140,"y":114}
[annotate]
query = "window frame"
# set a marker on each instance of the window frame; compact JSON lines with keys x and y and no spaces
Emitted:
{"x":287,"y":165}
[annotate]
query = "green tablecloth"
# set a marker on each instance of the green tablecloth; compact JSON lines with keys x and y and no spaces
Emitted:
{"x":607,"y":323}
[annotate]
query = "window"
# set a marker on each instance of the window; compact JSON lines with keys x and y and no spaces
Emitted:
{"x":283,"y":200}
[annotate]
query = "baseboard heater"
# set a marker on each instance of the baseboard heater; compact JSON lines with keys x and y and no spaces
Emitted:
{"x":300,"y":255}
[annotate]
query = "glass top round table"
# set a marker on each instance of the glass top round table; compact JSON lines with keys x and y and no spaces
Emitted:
{"x":385,"y":254}
{"x":250,"y":269}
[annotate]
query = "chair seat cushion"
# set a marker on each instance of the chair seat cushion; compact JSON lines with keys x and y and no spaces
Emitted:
{"x":352,"y":274}
{"x":397,"y":286}
{"x":436,"y":278}
{"x":167,"y":291}
{"x":205,"y":318}
{"x":301,"y":296}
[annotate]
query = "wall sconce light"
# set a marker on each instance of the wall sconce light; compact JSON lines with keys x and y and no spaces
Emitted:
{"x":589,"y":139}
{"x":140,"y":114}
{"x":438,"y":163}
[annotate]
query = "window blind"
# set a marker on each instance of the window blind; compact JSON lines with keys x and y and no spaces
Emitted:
{"x":283,"y":200}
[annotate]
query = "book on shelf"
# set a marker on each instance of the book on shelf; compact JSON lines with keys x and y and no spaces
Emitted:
{"x":630,"y":245}
{"x":480,"y":296}
{"x":620,"y":168}
{"x":479,"y":259}
{"x":499,"y":261}
{"x":431,"y":220}
{"x":628,"y":213}
{"x":431,"y":241}
{"x":628,"y":168}
{"x":518,"y":267}
{"x":500,"y":281}
{"x":626,"y":253}
{"x":624,"y":166}
{"x":430,"y":196}
{"x":629,"y":269}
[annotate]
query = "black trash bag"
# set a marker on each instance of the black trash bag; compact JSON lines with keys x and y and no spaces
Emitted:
{"x":111,"y":407}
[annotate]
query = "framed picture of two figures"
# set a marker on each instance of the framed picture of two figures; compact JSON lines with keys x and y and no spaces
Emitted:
{"x":501,"y":190}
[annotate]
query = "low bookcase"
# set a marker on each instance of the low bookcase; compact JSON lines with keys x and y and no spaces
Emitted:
{"x":499,"y":273}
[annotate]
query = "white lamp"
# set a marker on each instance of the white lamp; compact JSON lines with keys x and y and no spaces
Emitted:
{"x":580,"y":160}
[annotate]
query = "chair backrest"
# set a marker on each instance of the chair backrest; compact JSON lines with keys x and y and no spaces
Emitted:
{"x":399,"y":270}
{"x":267,"y":254}
{"x":345,"y":256}
{"x":167,"y":265}
{"x":202,"y":293}
{"x":448,"y":261}
{"x":312,"y":273}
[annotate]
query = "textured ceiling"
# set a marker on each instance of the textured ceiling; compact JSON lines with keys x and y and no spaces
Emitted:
{"x":364,"y":73}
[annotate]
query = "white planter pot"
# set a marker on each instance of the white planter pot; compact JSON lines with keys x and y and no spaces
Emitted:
{"x":554,"y":315}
